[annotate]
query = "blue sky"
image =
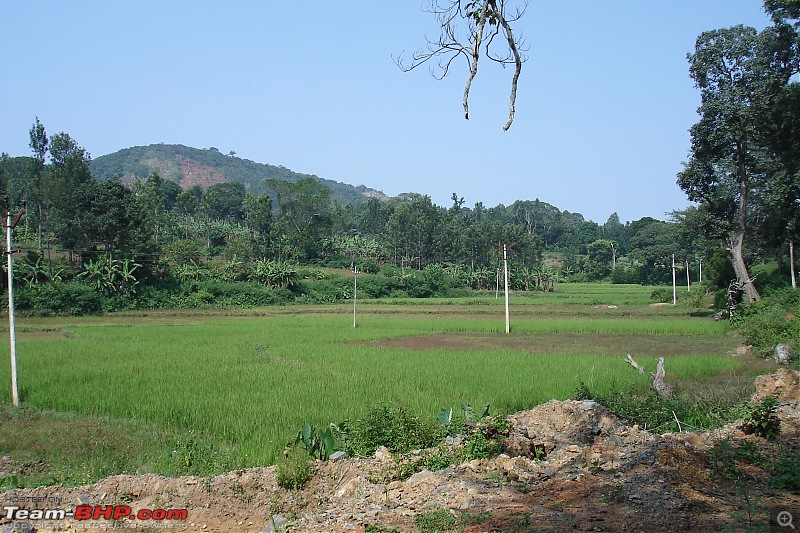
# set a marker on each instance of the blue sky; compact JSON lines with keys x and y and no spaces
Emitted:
{"x":603,"y":108}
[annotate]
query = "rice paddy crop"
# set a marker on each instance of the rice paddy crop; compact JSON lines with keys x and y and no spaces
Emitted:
{"x":248,"y":381}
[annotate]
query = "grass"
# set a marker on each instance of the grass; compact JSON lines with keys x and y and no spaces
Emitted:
{"x":201,"y":392}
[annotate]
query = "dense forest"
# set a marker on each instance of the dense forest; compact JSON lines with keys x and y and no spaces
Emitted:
{"x":130,"y":230}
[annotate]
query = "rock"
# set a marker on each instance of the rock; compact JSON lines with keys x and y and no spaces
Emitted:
{"x":277,"y":523}
{"x":782,"y":354}
{"x":337,"y":456}
{"x":556,"y":425}
{"x":383,"y":454}
{"x":744,"y":351}
{"x":785,"y":382}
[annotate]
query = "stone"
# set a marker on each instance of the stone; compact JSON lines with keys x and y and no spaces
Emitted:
{"x":782,"y":354}
{"x":383,"y":454}
{"x":785,"y":382}
{"x":277,"y":523}
{"x":744,"y":351}
{"x":337,"y":456}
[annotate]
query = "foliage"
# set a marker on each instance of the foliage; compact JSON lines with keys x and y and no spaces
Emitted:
{"x":761,"y":419}
{"x":111,"y":276}
{"x":58,"y":298}
{"x":478,"y":446}
{"x":232,"y":294}
{"x":770,"y":321}
{"x":318,"y":443}
{"x":661,"y":295}
{"x":396,"y":428}
{"x":683,"y":411}
{"x":435,"y":521}
{"x":294,"y":472}
{"x":786,"y":473}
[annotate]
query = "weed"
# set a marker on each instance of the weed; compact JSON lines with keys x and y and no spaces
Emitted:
{"x":436,"y":521}
{"x":617,"y":494}
{"x":476,"y":518}
{"x":396,"y":428}
{"x":240,"y":493}
{"x":294,"y":472}
{"x":433,"y":460}
{"x":761,"y":419}
{"x":786,"y":473}
{"x":11,"y":482}
{"x":497,"y":477}
{"x":479,"y":447}
{"x":376,"y":528}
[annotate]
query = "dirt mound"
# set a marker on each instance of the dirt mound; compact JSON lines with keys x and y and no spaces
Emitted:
{"x":571,"y":465}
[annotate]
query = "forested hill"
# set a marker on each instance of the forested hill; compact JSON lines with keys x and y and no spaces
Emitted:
{"x":193,"y":166}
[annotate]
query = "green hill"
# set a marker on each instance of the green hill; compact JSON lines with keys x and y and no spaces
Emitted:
{"x":193,"y":166}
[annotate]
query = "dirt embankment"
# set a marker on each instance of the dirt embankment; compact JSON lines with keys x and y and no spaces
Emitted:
{"x":571,"y":465}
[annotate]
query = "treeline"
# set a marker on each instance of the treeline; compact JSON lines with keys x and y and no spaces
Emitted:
{"x":94,"y":245}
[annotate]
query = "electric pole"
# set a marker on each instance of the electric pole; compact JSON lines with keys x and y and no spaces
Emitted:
{"x":506,"y":247}
{"x":9,"y":224}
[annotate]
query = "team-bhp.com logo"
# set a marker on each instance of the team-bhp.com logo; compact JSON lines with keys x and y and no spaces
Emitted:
{"x":94,"y":512}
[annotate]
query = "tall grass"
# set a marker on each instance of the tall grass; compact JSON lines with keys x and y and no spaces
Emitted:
{"x":251,"y":382}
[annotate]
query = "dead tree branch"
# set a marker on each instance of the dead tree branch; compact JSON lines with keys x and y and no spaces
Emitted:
{"x":663,"y":390}
{"x":467,"y":29}
{"x":633,"y":363}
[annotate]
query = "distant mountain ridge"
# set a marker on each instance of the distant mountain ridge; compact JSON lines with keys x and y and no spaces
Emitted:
{"x":205,"y":167}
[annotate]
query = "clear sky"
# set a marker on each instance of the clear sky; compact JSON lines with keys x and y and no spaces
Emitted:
{"x":603,"y":108}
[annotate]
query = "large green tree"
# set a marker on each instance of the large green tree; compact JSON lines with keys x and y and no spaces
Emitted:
{"x":739,"y":71}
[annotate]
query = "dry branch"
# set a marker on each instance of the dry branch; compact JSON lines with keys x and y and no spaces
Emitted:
{"x":468,"y":28}
{"x":663,"y":390}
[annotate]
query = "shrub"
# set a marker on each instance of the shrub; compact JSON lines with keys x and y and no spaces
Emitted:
{"x":479,"y":447}
{"x":761,"y":419}
{"x":241,"y":294}
{"x":377,"y":286}
{"x":624,"y":276}
{"x":326,"y":291}
{"x":661,"y":295}
{"x":368,"y":266}
{"x":436,"y":521}
{"x":393,"y":427}
{"x":295,"y":471}
{"x":772,"y":320}
{"x":72,"y":299}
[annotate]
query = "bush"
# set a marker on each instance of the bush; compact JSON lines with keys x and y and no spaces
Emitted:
{"x":661,"y":295}
{"x":624,"y":276}
{"x":479,"y":447}
{"x":436,"y":521}
{"x":393,"y":427}
{"x":761,"y":419}
{"x":770,"y":321}
{"x":368,"y":266}
{"x":241,"y":294}
{"x":57,"y":298}
{"x":377,"y":286}
{"x":295,"y":471}
{"x":327,"y":291}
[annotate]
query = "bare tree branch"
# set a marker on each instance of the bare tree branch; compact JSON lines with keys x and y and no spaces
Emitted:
{"x":481,"y":21}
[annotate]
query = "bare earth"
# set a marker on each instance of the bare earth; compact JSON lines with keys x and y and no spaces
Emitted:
{"x":599,"y":474}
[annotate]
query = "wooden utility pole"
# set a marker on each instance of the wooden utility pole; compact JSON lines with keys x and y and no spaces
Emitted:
{"x":688,"y":286}
{"x":674,"y":281}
